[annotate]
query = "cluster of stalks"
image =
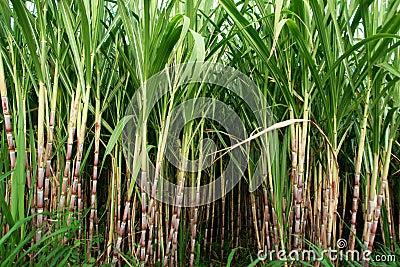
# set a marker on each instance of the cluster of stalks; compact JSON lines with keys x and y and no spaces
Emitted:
{"x":329,"y":71}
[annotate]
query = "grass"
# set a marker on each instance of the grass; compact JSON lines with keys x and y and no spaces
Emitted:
{"x":328,"y":170}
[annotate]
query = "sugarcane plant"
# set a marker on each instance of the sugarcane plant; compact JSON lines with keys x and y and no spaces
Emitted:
{"x":321,"y":150}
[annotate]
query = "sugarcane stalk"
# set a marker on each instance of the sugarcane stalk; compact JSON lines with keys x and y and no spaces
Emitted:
{"x":294,"y":158}
{"x":372,"y":199}
{"x":307,"y":203}
{"x":344,"y":199}
{"x":7,"y":116}
{"x":325,"y":197}
{"x":298,"y":195}
{"x":29,"y":183}
{"x":390,"y":217}
{"x":9,"y":130}
{"x":76,"y":192}
{"x":207,"y":217}
{"x":66,"y":182}
{"x":160,"y":233}
{"x":358,"y":165}
{"x":122,"y":224}
{"x":267,"y":172}
{"x":131,"y":225}
{"x":144,"y":218}
{"x":255,"y":224}
{"x":93,"y":196}
{"x":223,"y":212}
{"x":377,"y":212}
{"x":40,"y":158}
{"x":331,"y":192}
{"x":318,"y":205}
{"x":41,"y":135}
{"x":266,"y":219}
{"x":238,"y":222}
{"x":302,"y":154}
{"x":144,"y":170}
{"x":232,"y":215}
{"x":223,"y":215}
{"x":212,"y":220}
{"x":260,"y":217}
{"x":152,"y":204}
{"x":50,"y":134}
{"x":247,"y":216}
{"x":176,"y":216}
{"x":194,"y":227}
{"x":195,"y":209}
{"x":275,"y":230}
{"x":118,"y":204}
{"x":111,"y":214}
{"x":157,"y":236}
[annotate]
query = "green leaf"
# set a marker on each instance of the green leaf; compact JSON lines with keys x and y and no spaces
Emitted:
{"x":5,"y":175}
{"x":29,"y":34}
{"x":117,"y":133}
{"x":230,"y":257}
{"x":254,"y":263}
{"x":16,"y":226}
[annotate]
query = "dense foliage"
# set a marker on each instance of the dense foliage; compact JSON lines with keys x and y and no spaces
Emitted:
{"x":329,"y":69}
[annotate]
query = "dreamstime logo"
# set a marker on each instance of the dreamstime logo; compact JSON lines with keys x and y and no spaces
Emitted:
{"x":332,"y":254}
{"x":165,"y":85}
